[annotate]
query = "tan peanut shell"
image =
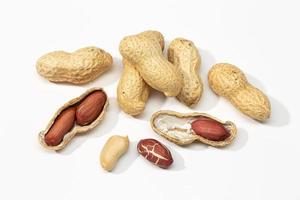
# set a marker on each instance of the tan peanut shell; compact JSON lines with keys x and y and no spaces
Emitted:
{"x":133,"y":91}
{"x":113,"y":149}
{"x":79,"y":67}
{"x":185,"y":136}
{"x":184,"y":55}
{"x":230,"y":82}
{"x":76,"y":129}
{"x":149,"y":60}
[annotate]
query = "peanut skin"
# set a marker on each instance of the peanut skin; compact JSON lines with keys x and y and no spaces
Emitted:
{"x":61,"y":126}
{"x":155,"y":69}
{"x":90,"y":108}
{"x":230,"y":82}
{"x":210,"y":129}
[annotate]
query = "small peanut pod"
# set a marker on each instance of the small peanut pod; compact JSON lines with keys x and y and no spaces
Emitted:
{"x":113,"y":149}
{"x":230,"y":82}
{"x":133,"y":91}
{"x":184,"y":55}
{"x":154,"y":151}
{"x":149,"y":60}
{"x":76,"y":116}
{"x":79,"y":67}
{"x":184,"y":129}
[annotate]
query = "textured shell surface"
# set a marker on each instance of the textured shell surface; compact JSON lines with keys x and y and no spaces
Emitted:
{"x":184,"y":55}
{"x":133,"y":91}
{"x":79,"y":67}
{"x":230,"y":82}
{"x":76,"y":129}
{"x":149,"y":60}
{"x":176,"y":127}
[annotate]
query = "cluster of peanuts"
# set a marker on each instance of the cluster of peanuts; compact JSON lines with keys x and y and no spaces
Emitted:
{"x":145,"y":67}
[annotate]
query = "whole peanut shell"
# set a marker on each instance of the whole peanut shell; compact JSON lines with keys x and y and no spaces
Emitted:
{"x":149,"y":60}
{"x":133,"y":91}
{"x":230,"y":82}
{"x":79,"y":67}
{"x":184,"y":55}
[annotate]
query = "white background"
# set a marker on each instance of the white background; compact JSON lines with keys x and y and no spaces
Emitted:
{"x":261,"y":37}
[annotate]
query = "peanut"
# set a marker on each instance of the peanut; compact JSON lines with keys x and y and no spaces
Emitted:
{"x":90,"y":108}
{"x":78,"y":115}
{"x":230,"y":82}
{"x":155,"y":69}
{"x":79,"y":67}
{"x":133,"y":91}
{"x":154,"y":151}
{"x":61,"y":126}
{"x":184,"y":129}
{"x":184,"y":55}
{"x":210,"y":129}
{"x":113,"y":149}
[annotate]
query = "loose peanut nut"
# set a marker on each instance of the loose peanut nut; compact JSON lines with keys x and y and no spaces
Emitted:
{"x":184,"y":55}
{"x":113,"y":149}
{"x":154,"y":151}
{"x":61,"y":126}
{"x":210,"y":129}
{"x":90,"y":108}
{"x":184,"y":129}
{"x":149,"y":60}
{"x":81,"y":66}
{"x":230,"y":82}
{"x":133,"y":91}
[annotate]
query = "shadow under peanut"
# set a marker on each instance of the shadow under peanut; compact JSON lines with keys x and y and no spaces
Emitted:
{"x":280,"y":116}
{"x":109,"y":121}
{"x":239,"y":142}
{"x":208,"y":99}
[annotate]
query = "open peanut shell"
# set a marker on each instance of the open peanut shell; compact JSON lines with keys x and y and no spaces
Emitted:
{"x":77,"y":129}
{"x":177,"y":128}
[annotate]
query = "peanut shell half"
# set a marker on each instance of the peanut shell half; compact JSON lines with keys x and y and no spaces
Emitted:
{"x":77,"y":129}
{"x":176,"y":127}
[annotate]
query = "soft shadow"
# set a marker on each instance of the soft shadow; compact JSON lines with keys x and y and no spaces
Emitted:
{"x":240,"y":141}
{"x":127,"y":159}
{"x":178,"y":161}
{"x":197,"y":146}
{"x":208,"y":99}
{"x":109,"y":77}
{"x":109,"y":122}
{"x":280,"y":116}
{"x":255,"y":82}
{"x":155,"y":102}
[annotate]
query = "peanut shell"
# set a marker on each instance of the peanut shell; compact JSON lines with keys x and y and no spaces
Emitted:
{"x":133,"y":91}
{"x":149,"y":60}
{"x":184,"y":55}
{"x":230,"y":82}
{"x":79,"y":67}
{"x":77,"y":129}
{"x":179,"y":129}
